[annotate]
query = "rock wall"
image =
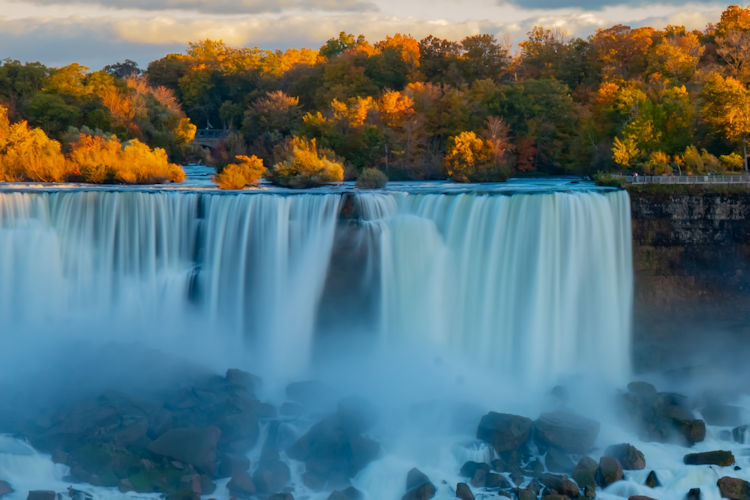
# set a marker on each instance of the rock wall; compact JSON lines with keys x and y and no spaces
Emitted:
{"x":691,"y":252}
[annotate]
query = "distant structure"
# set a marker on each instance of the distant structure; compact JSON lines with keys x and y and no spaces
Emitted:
{"x":210,"y":137}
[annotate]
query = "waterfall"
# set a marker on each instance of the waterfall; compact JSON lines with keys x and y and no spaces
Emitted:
{"x":533,"y":286}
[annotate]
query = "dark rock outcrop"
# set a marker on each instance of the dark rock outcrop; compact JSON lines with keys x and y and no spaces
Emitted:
{"x":566,"y":431}
{"x":585,"y":474}
{"x":560,"y":484}
{"x":741,"y":434}
{"x":504,"y":431}
{"x":418,"y":486}
{"x":733,"y":488}
{"x":630,"y":457}
{"x":652,"y":480}
{"x":640,"y":497}
{"x":693,"y":494}
{"x":608,"y":472}
{"x":271,"y":476}
{"x":41,"y":495}
{"x":350,"y":493}
{"x":335,"y":449}
{"x":559,"y":461}
{"x":5,"y":488}
{"x":191,"y":445}
{"x":719,"y":457}
{"x":464,"y":492}
{"x":241,"y":485}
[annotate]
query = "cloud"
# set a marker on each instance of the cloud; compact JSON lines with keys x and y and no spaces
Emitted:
{"x":225,"y":6}
{"x":594,"y":4}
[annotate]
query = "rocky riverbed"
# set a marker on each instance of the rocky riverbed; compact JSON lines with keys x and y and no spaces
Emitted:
{"x":215,"y":436}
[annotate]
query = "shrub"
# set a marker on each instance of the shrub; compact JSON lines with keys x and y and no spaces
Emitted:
{"x":693,"y":160}
{"x":732,"y":162}
{"x":658,"y":164}
{"x":469,"y":158}
{"x":246,"y":171}
{"x":304,"y":165}
{"x":371,"y":178}
{"x":608,"y":180}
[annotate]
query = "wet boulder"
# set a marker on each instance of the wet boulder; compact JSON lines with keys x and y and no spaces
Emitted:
{"x":559,"y":461}
{"x":720,"y":457}
{"x":281,"y":496}
{"x":652,"y":480}
{"x":41,"y":495}
{"x":640,"y":497}
{"x":630,"y":457}
{"x":464,"y":492}
{"x":334,"y":450}
{"x":526,"y":494}
{"x":241,"y":485}
{"x":5,"y":488}
{"x":271,"y":476}
{"x":733,"y":488}
{"x":418,"y":486}
{"x":192,"y":445}
{"x":567,"y":431}
{"x":504,"y":431}
{"x":560,"y":484}
{"x":693,"y":494}
{"x":229,"y":465}
{"x":585,"y":473}
{"x":350,"y":493}
{"x":608,"y":472}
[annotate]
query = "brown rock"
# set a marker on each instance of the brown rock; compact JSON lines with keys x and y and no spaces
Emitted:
{"x":585,"y":473}
{"x":609,"y":471}
{"x":733,"y":488}
{"x":630,"y":457}
{"x":464,"y":492}
{"x":418,"y":486}
{"x":504,"y":431}
{"x":560,"y":484}
{"x":652,"y":480}
{"x":719,"y":457}
{"x":526,"y":494}
{"x":640,"y":497}
{"x":241,"y":484}
{"x":566,"y":431}
{"x":192,"y":445}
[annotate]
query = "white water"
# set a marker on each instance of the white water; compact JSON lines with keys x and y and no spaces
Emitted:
{"x":531,"y":287}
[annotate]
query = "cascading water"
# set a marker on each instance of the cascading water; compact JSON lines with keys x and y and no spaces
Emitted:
{"x":529,"y":287}
{"x":535,"y":285}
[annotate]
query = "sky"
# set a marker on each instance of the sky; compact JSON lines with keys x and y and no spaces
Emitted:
{"x":100,"y":32}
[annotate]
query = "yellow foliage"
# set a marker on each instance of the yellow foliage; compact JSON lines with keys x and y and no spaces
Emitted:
{"x":658,"y":164}
{"x":248,"y":170}
{"x":395,"y":107}
{"x":469,"y":158}
{"x":102,"y":160}
{"x":625,"y":151}
{"x":305,"y":166}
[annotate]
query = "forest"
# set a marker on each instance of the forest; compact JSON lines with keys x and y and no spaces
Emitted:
{"x":653,"y":101}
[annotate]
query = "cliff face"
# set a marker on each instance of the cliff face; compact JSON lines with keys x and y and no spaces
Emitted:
{"x":691,"y":253}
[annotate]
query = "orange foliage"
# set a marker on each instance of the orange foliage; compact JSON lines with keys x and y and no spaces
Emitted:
{"x":247,"y":171}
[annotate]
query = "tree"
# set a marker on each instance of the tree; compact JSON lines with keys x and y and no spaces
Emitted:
{"x":469,"y":158}
{"x":125,"y":69}
{"x":726,"y":108}
{"x":344,"y":42}
{"x":304,"y":165}
{"x":543,"y":54}
{"x":246,"y":171}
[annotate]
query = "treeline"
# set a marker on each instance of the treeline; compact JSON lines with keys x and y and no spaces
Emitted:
{"x":646,"y":100}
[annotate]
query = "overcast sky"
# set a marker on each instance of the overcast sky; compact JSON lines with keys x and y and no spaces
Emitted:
{"x":99,"y":32}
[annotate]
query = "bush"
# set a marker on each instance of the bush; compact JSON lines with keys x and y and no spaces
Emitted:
{"x":469,"y":158}
{"x":609,"y":180}
{"x":732,"y":162}
{"x":658,"y":164}
{"x":304,"y":166}
{"x":246,"y":171}
{"x":371,"y":178}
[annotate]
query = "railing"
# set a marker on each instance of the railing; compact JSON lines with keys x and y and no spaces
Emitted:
{"x":210,"y":133}
{"x":687,"y":179}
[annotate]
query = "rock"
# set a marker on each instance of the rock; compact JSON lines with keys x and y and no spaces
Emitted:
{"x":608,"y":472}
{"x":585,"y":473}
{"x":243,"y":380}
{"x":719,"y":457}
{"x":741,"y":434}
{"x":5,"y":488}
{"x":559,"y":461}
{"x":418,"y":486}
{"x":724,"y":415}
{"x":567,"y":431}
{"x":241,"y":485}
{"x":554,"y":497}
{"x":504,"y":431}
{"x":630,"y":457}
{"x":334,"y":450}
{"x":560,"y":484}
{"x":652,"y":480}
{"x":493,"y":480}
{"x":534,"y":468}
{"x":271,"y":475}
{"x":229,"y":465}
{"x":464,"y":492}
{"x":640,"y":497}
{"x":642,"y":390}
{"x":526,"y":494}
{"x":281,"y":496}
{"x":192,"y":445}
{"x":733,"y":488}
{"x":469,"y":469}
{"x":694,"y":431}
{"x":350,"y":493}
{"x":41,"y":495}
{"x":693,"y":494}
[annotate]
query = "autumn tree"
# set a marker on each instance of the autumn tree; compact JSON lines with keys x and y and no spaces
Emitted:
{"x":726,"y":108}
{"x":304,"y":165}
{"x":245,"y":171}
